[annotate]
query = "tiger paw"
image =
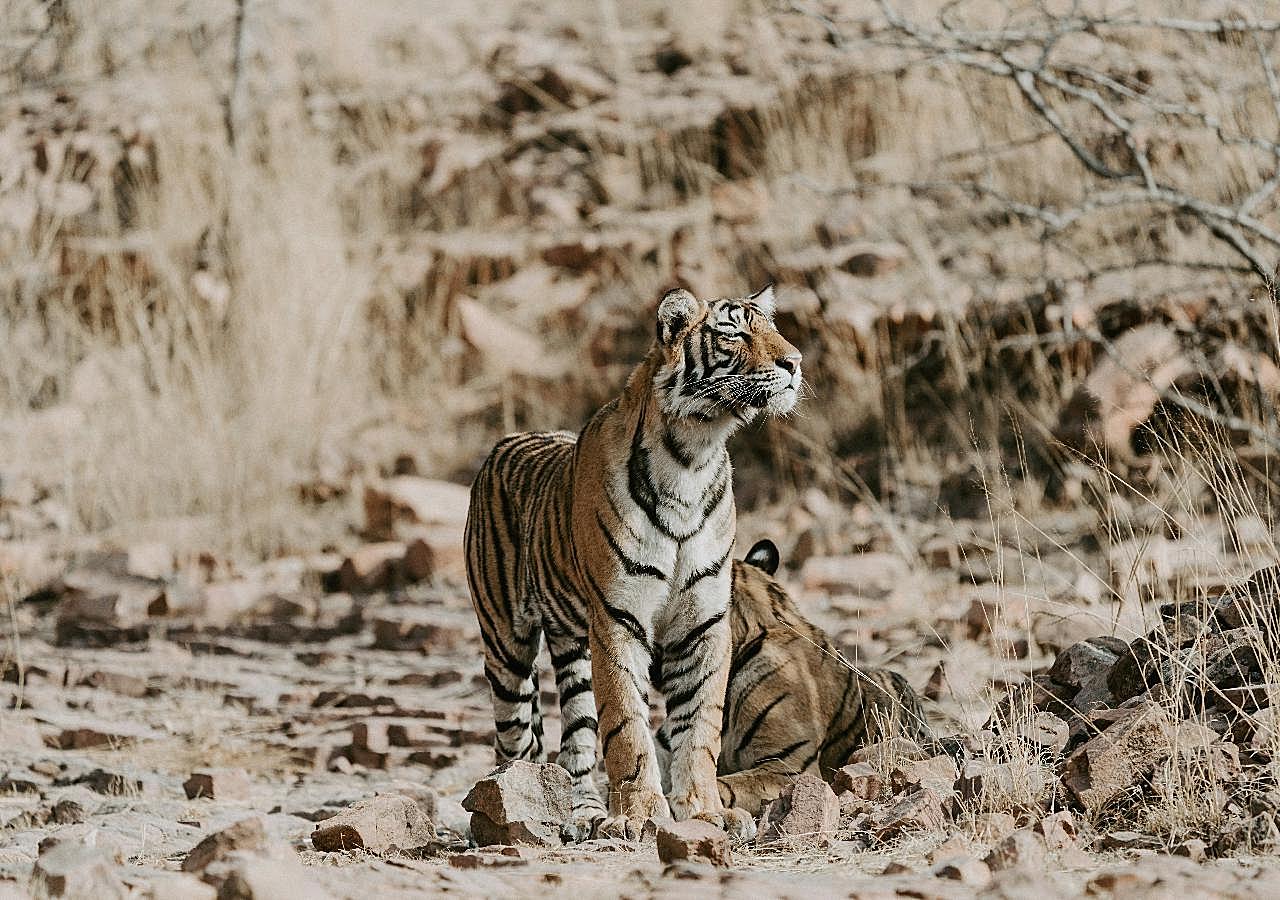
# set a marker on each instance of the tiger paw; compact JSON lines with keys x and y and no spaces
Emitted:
{"x":582,"y":826}
{"x":625,"y":828}
{"x":739,"y":824}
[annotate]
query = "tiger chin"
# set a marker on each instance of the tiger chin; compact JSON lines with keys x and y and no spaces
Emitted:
{"x":614,"y":546}
{"x":793,"y":703}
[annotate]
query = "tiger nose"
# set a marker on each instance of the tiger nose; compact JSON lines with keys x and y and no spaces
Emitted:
{"x":788,"y":363}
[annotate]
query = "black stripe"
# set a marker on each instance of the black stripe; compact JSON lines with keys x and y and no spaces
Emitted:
{"x":676,"y":449}
{"x":784,"y":753}
{"x":706,"y":571}
{"x":759,"y":720}
{"x":560,"y":661}
{"x":608,"y":738}
{"x":677,"y":699}
{"x":678,"y":649}
{"x":747,"y":652}
{"x":578,"y":724}
{"x":629,"y":622}
{"x":574,"y":690}
{"x":502,"y":692}
{"x":629,"y":565}
{"x":640,"y":483}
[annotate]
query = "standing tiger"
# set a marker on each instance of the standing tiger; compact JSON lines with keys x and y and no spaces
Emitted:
{"x":614,"y":546}
{"x":794,"y":704}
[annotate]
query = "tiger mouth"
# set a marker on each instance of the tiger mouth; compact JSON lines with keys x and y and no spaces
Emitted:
{"x":764,"y":396}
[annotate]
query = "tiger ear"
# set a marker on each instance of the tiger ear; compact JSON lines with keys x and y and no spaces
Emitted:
{"x":675,"y":311}
{"x":764,"y":299}
{"x":764,"y":555}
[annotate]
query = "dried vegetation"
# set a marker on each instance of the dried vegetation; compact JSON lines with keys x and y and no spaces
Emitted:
{"x":274,"y":276}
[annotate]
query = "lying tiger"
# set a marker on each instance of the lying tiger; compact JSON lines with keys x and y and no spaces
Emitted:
{"x":794,"y":704}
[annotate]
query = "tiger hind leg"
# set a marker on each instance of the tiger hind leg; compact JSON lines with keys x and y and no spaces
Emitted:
{"x":571,"y":659}
{"x":513,"y":687}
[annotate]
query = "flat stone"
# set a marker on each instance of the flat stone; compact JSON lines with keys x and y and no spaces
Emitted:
{"x":920,"y":811}
{"x":520,"y":803}
{"x":247,"y":834}
{"x":72,"y":869}
{"x":380,"y":824}
{"x":218,"y":784}
{"x":1023,"y":848}
{"x":863,"y":780}
{"x":693,"y":840}
{"x":806,"y":808}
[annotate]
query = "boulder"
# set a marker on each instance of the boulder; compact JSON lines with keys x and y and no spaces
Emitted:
{"x":218,"y":784}
{"x":965,"y":869}
{"x":1044,"y":733}
{"x":807,"y":808}
{"x":695,"y":841}
{"x":1116,"y":759}
{"x":938,"y":773}
{"x":887,"y":753}
{"x":411,"y":500}
{"x":73,"y":869}
{"x":863,"y":780}
{"x":1086,"y":661}
{"x":1058,"y":829}
{"x":250,"y":876}
{"x":246,"y":835}
{"x":920,"y":811}
{"x":380,"y":824}
{"x":520,"y":803}
{"x":177,"y":886}
{"x":1023,"y":848}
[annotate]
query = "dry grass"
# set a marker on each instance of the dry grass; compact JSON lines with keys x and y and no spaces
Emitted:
{"x":227,"y":278}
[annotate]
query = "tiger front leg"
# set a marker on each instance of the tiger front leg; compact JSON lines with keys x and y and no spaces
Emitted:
{"x":620,"y":671}
{"x":695,"y":672}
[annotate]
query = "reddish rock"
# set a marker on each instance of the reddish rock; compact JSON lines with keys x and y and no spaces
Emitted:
{"x":73,"y":869}
{"x":372,"y":567}
{"x":1086,"y":661}
{"x":1044,"y":732}
{"x":888,"y":753}
{"x":1021,"y":849}
{"x":261,"y":877}
{"x":1003,"y":781}
{"x":410,"y":500}
{"x":807,"y":808}
{"x":121,"y":683}
{"x":921,"y":811}
{"x":965,"y":869}
{"x":89,"y":733}
{"x":863,"y":780}
{"x":177,"y":886}
{"x":938,"y":773}
{"x":218,"y":784}
{"x":1058,"y":830}
{"x":693,"y":840}
{"x":520,"y":803}
{"x":1116,"y":759}
{"x":246,"y":835}
{"x":380,"y":824}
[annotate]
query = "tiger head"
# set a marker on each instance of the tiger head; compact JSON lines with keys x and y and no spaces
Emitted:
{"x":723,"y":360}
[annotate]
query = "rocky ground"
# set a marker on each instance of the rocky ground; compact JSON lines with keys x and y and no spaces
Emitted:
{"x":314,"y":726}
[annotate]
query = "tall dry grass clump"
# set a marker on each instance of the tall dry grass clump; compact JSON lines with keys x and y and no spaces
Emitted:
{"x":204,"y":349}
